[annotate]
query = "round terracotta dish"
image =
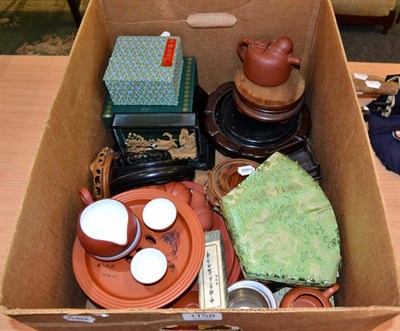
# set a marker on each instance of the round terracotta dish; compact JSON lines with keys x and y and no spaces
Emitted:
{"x":281,"y":97}
{"x":111,"y":284}
{"x":223,"y":178}
{"x":265,"y":114}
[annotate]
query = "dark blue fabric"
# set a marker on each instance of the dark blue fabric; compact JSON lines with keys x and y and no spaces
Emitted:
{"x":380,"y":132}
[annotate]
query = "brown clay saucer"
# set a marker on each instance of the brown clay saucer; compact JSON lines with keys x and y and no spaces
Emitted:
{"x":111,"y":284}
{"x":265,"y":114}
{"x":223,"y":178}
{"x":278,"y":97}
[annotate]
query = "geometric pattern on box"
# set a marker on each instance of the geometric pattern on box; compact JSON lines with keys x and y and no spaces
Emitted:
{"x":135,"y":74}
{"x":282,"y":226}
{"x":189,"y":81}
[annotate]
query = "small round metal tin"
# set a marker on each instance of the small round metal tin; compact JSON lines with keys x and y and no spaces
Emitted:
{"x":247,"y":294}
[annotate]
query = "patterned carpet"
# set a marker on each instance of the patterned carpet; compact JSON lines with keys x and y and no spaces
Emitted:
{"x":368,"y":44}
{"x":37,"y":27}
{"x":46,"y":27}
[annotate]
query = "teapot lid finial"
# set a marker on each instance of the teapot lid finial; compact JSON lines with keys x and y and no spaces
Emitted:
{"x":283,"y":45}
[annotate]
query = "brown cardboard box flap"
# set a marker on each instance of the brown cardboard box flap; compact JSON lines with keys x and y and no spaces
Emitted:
{"x":329,"y":319}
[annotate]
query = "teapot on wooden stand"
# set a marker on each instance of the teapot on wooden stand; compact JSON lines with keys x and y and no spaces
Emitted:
{"x":267,"y":63}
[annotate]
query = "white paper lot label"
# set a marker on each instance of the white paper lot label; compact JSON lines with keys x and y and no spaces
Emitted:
{"x":79,"y":318}
{"x":246,"y":170}
{"x":203,"y":317}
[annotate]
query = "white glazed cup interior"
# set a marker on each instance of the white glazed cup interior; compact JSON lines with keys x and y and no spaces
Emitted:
{"x":149,"y":266}
{"x":107,"y":220}
{"x":159,"y":214}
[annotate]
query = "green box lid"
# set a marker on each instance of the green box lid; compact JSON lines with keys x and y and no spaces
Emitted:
{"x":189,"y":81}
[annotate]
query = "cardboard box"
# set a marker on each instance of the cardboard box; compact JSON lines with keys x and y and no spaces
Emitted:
{"x":38,"y":286}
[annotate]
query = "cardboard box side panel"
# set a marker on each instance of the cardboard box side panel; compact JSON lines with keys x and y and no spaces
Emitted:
{"x":75,"y":133}
{"x":283,"y":319}
{"x":40,"y":254}
{"x":348,"y":175}
{"x":215,"y":48}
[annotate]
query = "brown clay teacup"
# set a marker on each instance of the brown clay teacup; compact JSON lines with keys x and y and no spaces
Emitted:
{"x":306,"y":297}
{"x":107,"y":229}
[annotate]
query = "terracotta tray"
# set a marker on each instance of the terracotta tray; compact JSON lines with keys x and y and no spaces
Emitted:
{"x":111,"y":285}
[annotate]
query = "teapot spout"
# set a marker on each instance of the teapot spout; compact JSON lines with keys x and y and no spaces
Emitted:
{"x":294,"y":60}
{"x":331,"y":290}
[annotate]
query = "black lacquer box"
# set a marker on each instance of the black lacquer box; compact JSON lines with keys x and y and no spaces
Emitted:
{"x":177,"y":133}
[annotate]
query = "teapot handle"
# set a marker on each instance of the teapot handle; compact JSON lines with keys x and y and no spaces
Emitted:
{"x":242,"y":47}
{"x":86,"y":196}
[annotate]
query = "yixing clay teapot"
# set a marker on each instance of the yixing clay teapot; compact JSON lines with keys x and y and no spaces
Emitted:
{"x":267,"y":63}
{"x":107,"y":229}
{"x":306,"y":297}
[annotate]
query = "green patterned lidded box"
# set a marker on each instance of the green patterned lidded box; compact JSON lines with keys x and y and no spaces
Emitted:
{"x":282,"y":226}
{"x":145,"y":70}
{"x":189,"y":82}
